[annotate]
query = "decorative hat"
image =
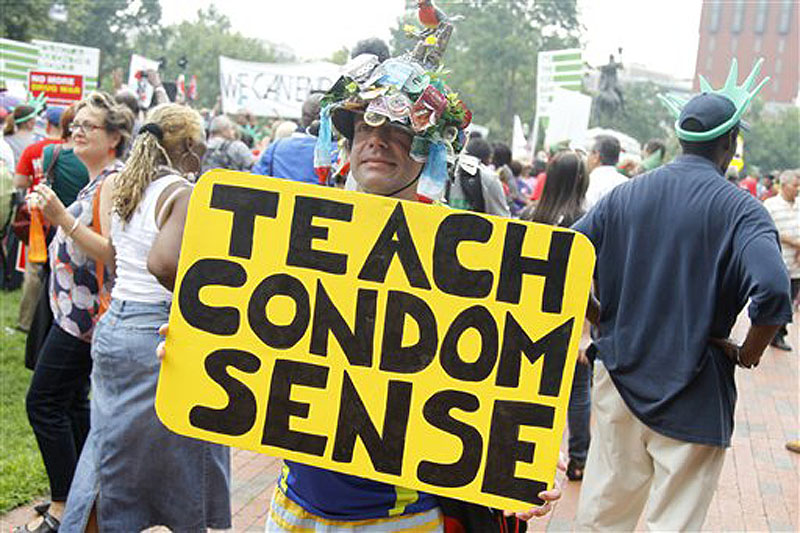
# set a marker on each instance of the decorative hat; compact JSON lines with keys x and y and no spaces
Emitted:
{"x":717,"y":111}
{"x":407,"y":92}
{"x":38,"y":103}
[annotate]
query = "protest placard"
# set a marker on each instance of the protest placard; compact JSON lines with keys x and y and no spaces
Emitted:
{"x":58,"y":88}
{"x":272,"y":89}
{"x":407,"y":343}
{"x":69,"y":58}
{"x":137,"y":79}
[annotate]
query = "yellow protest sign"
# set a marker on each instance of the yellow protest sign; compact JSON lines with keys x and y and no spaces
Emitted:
{"x":412,"y":344}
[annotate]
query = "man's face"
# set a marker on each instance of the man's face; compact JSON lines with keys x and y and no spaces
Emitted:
{"x":592,"y":160}
{"x":379,"y":158}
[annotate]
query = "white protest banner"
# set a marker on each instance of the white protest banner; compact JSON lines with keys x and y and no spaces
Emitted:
{"x":139,"y":84}
{"x":569,"y":116}
{"x":272,"y":89}
{"x":70,"y":59}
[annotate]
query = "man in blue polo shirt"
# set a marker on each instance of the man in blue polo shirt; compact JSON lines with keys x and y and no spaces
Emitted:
{"x":293,"y":158}
{"x":680,"y":251}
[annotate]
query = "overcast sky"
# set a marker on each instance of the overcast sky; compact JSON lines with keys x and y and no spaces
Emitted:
{"x":658,"y":34}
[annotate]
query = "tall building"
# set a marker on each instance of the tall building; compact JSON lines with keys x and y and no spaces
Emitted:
{"x":748,"y":30}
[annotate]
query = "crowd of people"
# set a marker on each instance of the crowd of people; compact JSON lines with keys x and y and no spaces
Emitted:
{"x":680,"y":252}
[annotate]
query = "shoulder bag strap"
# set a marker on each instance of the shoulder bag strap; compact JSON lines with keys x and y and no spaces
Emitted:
{"x":99,"y":266}
{"x":49,"y":176}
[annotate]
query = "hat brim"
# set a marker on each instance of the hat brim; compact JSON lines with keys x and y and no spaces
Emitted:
{"x":343,"y":120}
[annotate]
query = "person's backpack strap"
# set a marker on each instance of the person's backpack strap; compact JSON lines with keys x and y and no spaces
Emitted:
{"x":49,"y":175}
{"x":473,"y":190}
{"x":103,"y":296}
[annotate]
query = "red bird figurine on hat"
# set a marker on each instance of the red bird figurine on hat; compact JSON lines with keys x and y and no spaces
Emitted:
{"x":429,"y":15}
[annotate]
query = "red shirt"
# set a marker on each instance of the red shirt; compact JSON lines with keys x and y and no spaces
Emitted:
{"x":540,"y":181}
{"x":34,"y":151}
{"x":749,"y":184}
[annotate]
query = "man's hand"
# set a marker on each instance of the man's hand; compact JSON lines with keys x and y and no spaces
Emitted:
{"x":116,"y":78}
{"x":550,"y":497}
{"x":154,"y":78}
{"x":728,"y":347}
{"x":749,"y":353}
{"x":161,"y":350}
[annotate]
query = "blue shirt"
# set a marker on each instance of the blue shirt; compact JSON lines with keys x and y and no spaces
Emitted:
{"x":291,"y":158}
{"x":679,"y":252}
{"x":342,"y":497}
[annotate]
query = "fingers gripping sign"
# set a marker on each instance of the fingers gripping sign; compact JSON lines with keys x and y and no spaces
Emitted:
{"x":406,"y":343}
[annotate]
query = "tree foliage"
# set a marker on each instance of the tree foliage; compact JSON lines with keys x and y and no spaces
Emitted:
{"x":120,"y":28}
{"x":643,"y":116}
{"x":201,"y":42}
{"x":492,"y":55}
{"x":773,"y":142}
{"x":107,"y":25}
{"x":23,"y":21}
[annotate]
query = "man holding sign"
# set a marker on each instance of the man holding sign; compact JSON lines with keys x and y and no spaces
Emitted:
{"x":445,"y":377}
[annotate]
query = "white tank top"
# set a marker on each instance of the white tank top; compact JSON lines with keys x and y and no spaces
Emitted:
{"x":132,"y":242}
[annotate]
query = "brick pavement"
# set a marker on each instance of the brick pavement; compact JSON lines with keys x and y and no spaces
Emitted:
{"x":758,"y":489}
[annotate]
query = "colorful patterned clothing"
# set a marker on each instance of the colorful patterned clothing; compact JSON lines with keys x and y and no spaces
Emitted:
{"x":73,"y":282}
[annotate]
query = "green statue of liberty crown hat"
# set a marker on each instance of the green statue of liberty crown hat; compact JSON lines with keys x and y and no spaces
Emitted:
{"x":38,"y":103}
{"x":717,"y":111}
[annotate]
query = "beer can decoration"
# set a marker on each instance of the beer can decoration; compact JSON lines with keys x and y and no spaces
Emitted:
{"x":408,"y":92}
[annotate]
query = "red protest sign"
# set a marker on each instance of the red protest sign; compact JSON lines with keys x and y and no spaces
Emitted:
{"x":58,"y":88}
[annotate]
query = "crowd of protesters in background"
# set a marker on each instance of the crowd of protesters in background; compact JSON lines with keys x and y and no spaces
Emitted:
{"x":114,"y":180}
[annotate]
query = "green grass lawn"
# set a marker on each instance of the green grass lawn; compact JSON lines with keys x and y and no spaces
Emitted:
{"x":22,"y":475}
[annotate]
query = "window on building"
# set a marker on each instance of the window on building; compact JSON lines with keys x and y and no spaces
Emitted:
{"x":738,"y":16}
{"x":758,"y":44}
{"x":712,"y":43}
{"x":761,"y":15}
{"x":714,"y":15}
{"x":785,"y":19}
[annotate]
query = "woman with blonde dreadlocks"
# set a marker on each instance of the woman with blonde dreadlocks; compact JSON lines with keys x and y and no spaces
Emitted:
{"x":135,"y":473}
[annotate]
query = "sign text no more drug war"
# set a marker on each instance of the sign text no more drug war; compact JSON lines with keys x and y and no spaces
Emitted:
{"x":411,"y":344}
{"x":59,"y":89}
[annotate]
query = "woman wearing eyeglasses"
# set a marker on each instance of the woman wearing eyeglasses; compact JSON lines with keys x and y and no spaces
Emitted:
{"x":58,"y":397}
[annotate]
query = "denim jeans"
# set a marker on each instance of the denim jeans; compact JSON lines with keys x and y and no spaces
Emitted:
{"x":578,"y":413}
{"x":58,"y":406}
{"x":138,"y":472}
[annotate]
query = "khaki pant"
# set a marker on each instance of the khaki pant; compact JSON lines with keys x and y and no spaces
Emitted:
{"x":31,"y":289}
{"x":630,"y":466}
